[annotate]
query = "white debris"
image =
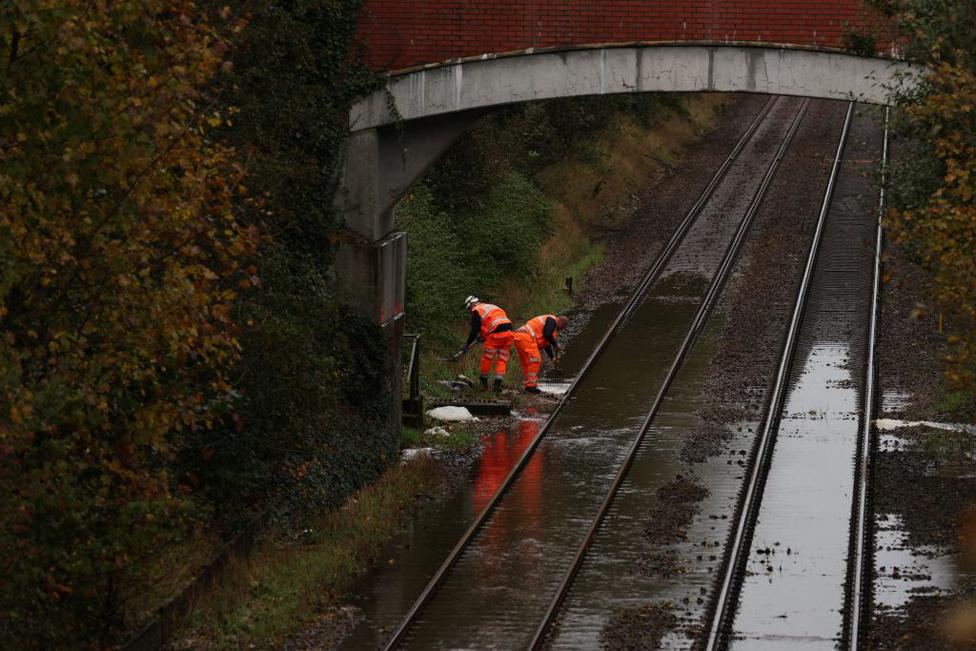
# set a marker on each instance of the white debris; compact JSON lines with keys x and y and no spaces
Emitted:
{"x":413,"y":453}
{"x":451,"y":414}
{"x":437,"y":431}
{"x":885,"y":424}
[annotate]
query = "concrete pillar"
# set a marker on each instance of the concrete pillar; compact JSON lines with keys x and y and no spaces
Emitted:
{"x":379,"y":167}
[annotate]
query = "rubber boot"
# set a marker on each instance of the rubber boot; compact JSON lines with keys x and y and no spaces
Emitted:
{"x":532,"y":390}
{"x":484,"y":382}
{"x":498,"y":385}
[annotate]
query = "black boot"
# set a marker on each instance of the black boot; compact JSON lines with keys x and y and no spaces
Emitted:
{"x":498,"y":385}
{"x":484,"y":382}
{"x":532,"y":390}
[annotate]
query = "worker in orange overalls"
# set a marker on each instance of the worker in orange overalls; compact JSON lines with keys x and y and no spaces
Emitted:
{"x":539,"y":334}
{"x":490,"y":324}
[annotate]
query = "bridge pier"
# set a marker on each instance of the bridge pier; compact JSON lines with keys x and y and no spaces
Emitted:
{"x":379,"y":167}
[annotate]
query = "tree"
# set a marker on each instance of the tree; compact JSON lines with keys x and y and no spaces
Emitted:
{"x":933,"y":215}
{"x":119,"y":258}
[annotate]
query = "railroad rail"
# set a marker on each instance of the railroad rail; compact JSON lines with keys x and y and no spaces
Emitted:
{"x":711,"y":296}
{"x":857,"y":598}
{"x":633,"y":301}
{"x":737,"y":550}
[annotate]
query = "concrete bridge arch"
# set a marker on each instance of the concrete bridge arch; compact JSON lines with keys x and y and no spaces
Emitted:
{"x":398,"y":132}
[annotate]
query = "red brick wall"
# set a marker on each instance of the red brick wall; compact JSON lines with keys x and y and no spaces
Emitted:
{"x":405,"y":33}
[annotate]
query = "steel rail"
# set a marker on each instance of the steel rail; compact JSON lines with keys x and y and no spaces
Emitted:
{"x":856,"y":580}
{"x":714,"y":289}
{"x":725,"y":600}
{"x":636,"y":295}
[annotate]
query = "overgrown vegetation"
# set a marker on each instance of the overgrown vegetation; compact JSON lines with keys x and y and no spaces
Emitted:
{"x":289,"y":581}
{"x":309,"y":424}
{"x":933,"y":215}
{"x":171,"y":354}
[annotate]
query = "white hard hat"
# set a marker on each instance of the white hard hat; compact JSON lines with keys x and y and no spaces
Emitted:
{"x":471,"y":300}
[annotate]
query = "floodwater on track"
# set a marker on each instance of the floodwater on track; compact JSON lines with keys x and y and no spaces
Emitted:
{"x":793,"y":590}
{"x":500,"y":587}
{"x":644,"y":556}
{"x":384,"y":595}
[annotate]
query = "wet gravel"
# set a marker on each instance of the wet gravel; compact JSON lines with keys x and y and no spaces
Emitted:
{"x":910,"y":349}
{"x":638,"y":628}
{"x":924,"y":480}
{"x":677,"y":503}
{"x":757,"y":303}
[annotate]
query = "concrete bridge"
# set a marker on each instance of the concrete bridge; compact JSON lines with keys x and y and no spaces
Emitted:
{"x":451,"y":61}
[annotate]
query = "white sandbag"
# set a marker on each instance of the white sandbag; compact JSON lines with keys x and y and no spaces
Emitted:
{"x":451,"y":414}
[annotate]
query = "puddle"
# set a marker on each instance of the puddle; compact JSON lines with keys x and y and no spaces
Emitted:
{"x":903,"y":571}
{"x":793,"y":590}
{"x":893,"y":401}
{"x":385,"y":594}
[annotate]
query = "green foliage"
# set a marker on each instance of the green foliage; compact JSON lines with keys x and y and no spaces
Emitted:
{"x":155,"y":365}
{"x":310,"y":425}
{"x":504,"y":238}
{"x":860,"y":41}
{"x":309,"y":422}
{"x":450,"y":258}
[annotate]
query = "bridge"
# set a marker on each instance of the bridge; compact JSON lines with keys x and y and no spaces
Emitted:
{"x":451,"y":61}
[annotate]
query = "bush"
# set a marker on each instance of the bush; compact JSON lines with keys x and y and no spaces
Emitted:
{"x":455,"y":254}
{"x":310,"y":421}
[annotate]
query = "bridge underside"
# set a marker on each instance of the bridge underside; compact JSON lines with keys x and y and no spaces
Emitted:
{"x":492,"y":80}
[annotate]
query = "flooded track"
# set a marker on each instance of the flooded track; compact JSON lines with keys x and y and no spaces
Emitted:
{"x":496,"y":588}
{"x":791,"y":551}
{"x":647,"y":579}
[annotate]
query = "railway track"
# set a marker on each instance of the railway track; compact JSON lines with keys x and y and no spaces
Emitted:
{"x":721,"y":631}
{"x":857,"y":602}
{"x":477,"y":530}
{"x":718,"y":281}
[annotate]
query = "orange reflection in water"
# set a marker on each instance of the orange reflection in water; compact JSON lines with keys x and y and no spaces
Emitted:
{"x":523,"y":505}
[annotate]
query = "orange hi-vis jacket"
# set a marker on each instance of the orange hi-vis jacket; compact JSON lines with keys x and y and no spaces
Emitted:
{"x":537,"y":328}
{"x":492,"y":316}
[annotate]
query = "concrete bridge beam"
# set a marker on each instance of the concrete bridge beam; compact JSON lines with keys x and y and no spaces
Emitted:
{"x":495,"y":80}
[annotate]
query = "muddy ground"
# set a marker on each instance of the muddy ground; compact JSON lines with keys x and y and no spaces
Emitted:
{"x":927,"y":478}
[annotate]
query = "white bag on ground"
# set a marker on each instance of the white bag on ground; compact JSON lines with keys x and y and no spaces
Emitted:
{"x":451,"y":414}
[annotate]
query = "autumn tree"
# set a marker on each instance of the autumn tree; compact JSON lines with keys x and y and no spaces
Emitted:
{"x":119,"y":259}
{"x":933,"y":214}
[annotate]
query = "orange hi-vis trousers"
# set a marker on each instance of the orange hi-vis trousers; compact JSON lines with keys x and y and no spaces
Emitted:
{"x":529,"y":356}
{"x":497,"y":344}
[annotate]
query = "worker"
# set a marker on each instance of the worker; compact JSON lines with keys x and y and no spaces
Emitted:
{"x":490,"y":324}
{"x":538,"y":334}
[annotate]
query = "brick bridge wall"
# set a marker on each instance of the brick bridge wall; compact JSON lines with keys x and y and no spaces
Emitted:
{"x":401,"y":34}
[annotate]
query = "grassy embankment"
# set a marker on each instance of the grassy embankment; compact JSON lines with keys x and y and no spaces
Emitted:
{"x":513,"y":240}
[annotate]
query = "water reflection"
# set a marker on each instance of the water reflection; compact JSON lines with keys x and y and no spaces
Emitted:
{"x":793,"y":591}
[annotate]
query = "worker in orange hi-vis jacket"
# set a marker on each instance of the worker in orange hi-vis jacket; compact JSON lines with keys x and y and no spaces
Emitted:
{"x":539,"y":334}
{"x":491,"y":324}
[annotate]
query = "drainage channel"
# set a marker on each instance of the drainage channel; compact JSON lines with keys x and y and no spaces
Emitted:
{"x":494,"y":588}
{"x":785,"y":579}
